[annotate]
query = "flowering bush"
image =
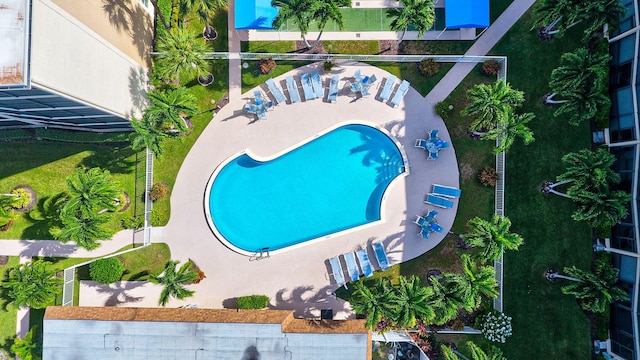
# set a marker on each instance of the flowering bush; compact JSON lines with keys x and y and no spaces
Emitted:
{"x":496,"y":326}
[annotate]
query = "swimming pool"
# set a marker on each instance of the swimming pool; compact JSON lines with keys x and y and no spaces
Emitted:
{"x":329,"y":184}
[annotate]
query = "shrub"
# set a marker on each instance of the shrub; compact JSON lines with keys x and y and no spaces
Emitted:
{"x":328,"y":65}
{"x":22,"y":199}
{"x":134,"y":222}
{"x":252,"y":302}
{"x":159,"y":191}
{"x":106,"y":271}
{"x":488,"y":176}
{"x":490,"y":67}
{"x":266,"y":66}
{"x":428,"y":67}
{"x":601,"y":47}
{"x":496,"y":326}
{"x":443,"y":109}
{"x":601,"y":119}
{"x":457,"y":324}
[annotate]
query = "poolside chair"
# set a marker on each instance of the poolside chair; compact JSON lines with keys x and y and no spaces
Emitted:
{"x":433,"y":155}
{"x":371,"y":80}
{"x":424,"y":232}
{"x":400,"y":93}
{"x":436,"y":227}
{"x":365,"y":265}
{"x":431,"y":215}
{"x":446,"y":191}
{"x":336,"y":269}
{"x":438,"y":201}
{"x":357,"y":76}
{"x":257,"y":94}
{"x":275,"y":91}
{"x":307,"y":88}
{"x":333,"y":89}
{"x":317,"y":84}
{"x":381,"y":256}
{"x":420,"y":221}
{"x":251,"y":108}
{"x":433,"y":135}
{"x":352,"y":267}
{"x":421,"y":143}
{"x":388,"y":88}
{"x":292,"y":87}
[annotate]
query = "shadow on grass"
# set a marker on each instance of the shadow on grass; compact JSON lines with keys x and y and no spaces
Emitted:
{"x":44,"y":217}
{"x":118,"y":160}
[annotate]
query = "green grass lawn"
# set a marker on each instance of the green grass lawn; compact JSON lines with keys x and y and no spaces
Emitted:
{"x":8,"y":314}
{"x":139,"y":264}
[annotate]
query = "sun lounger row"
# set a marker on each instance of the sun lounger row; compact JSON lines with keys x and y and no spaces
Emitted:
{"x":446,"y":191}
{"x":439,"y":201}
{"x":362,"y":266}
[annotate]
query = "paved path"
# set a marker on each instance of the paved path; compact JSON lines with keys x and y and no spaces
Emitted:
{"x":235,"y":70}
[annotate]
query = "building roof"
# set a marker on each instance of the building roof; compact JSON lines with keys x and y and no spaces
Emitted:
{"x":147,"y":333}
{"x":14,"y":40}
{"x":466,"y":14}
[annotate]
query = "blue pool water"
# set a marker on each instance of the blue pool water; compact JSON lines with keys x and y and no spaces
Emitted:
{"x":332,"y":183}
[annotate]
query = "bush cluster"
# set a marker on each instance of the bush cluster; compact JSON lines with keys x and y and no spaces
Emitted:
{"x":106,"y":271}
{"x":488,"y":176}
{"x":490,"y":68}
{"x":266,"y":65}
{"x":252,"y":302}
{"x":23,"y":198}
{"x":428,"y":67}
{"x":159,"y":191}
{"x":496,"y":326}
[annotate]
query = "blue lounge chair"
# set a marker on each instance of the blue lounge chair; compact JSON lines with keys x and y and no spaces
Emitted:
{"x":317,"y":84}
{"x":275,"y":91}
{"x":424,"y":232}
{"x":307,"y":88}
{"x":446,"y":191}
{"x":433,"y":135}
{"x":436,"y":227}
{"x":292,"y":87}
{"x":365,"y":265}
{"x":251,"y":108}
{"x":381,"y":256}
{"x":442,"y":144}
{"x":388,"y":88}
{"x":352,"y":267}
{"x":257,"y":94}
{"x":336,"y":269}
{"x":371,"y":80}
{"x":422,"y":144}
{"x":439,"y":201}
{"x":357,"y":76}
{"x":420,"y":221}
{"x":431,"y":215}
{"x":333,"y":89}
{"x":433,"y":155}
{"x":400,"y":93}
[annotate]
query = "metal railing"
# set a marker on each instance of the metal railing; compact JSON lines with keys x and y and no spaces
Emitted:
{"x":148,"y":204}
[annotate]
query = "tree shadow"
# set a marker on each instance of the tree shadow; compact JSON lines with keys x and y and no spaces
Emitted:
{"x":117,"y":291}
{"x":138,"y":85}
{"x":307,"y":303}
{"x":44,"y":217}
{"x":118,"y":160}
{"x":251,"y":353}
{"x":230,"y":303}
{"x":128,"y":17}
{"x":6,"y":346}
{"x":51,"y":248}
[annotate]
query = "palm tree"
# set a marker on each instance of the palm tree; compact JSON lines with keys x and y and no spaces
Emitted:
{"x":598,"y":13}
{"x":32,"y":284}
{"x":147,"y":134}
{"x":421,"y":14}
{"x":473,"y":283}
{"x":600,"y":208}
{"x":489,"y":103}
{"x":179,"y":51}
{"x":6,"y":210}
{"x":578,"y":69}
{"x":476,"y":353}
{"x":510,"y":127}
{"x":204,"y":9}
{"x":157,"y":10}
{"x":174,"y":281}
{"x":84,"y":231}
{"x":374,"y":303}
{"x":584,"y":103}
{"x":493,"y":237}
{"x":91,"y":190}
{"x":556,"y":16}
{"x":445,"y":300}
{"x":586,"y":169}
{"x":26,"y":348}
{"x":300,"y":12}
{"x":411,"y":302}
{"x":595,"y":291}
{"x":169,"y":106}
{"x":329,"y":10}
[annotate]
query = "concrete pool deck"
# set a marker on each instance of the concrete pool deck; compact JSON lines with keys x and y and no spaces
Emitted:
{"x":298,"y":279}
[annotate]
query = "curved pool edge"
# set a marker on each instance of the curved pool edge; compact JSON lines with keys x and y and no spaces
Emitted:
{"x":254,"y":156}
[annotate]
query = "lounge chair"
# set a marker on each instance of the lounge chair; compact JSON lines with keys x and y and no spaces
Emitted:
{"x":317,"y":84}
{"x":420,"y":221}
{"x":262,"y":114}
{"x":446,"y":191}
{"x":431,"y":215}
{"x":336,"y":269}
{"x":275,"y":91}
{"x":365,"y":265}
{"x":381,"y":256}
{"x":251,"y":108}
{"x":421,"y":143}
{"x":400,"y":93}
{"x":439,"y":201}
{"x":333,"y":89}
{"x":352,"y":267}
{"x":424,"y":232}
{"x":292,"y":87}
{"x":357,"y":76}
{"x":371,"y":80}
{"x":436,"y":227}
{"x":442,"y":144}
{"x":257,"y":94}
{"x":433,"y":155}
{"x":388,"y":88}
{"x":307,"y":88}
{"x":433,"y":135}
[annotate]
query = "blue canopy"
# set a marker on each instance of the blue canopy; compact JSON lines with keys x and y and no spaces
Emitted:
{"x":254,"y":14}
{"x":466,"y":14}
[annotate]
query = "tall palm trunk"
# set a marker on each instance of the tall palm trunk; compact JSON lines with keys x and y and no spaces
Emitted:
{"x":315,"y":43}
{"x":157,"y":10}
{"x":549,"y":100}
{"x":404,"y":32}
{"x":560,"y":276}
{"x":550,"y":188}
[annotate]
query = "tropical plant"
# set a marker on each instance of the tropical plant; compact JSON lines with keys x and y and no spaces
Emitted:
{"x":428,"y":67}
{"x":488,"y":176}
{"x":374,"y":303}
{"x":266,"y":65}
{"x":106,"y":271}
{"x":578,"y":69}
{"x":490,"y":103}
{"x":173,"y":281}
{"x":205,"y":10}
{"x":600,"y":208}
{"x":168,"y":107}
{"x":300,"y":12}
{"x":147,"y":135}
{"x":556,"y":16}
{"x":511,"y":126}
{"x":159,"y":191}
{"x":476,"y":353}
{"x":584,"y":103}
{"x":157,"y":10}
{"x":587,"y":169}
{"x":327,"y":10}
{"x":27,"y":347}
{"x":84,"y":231}
{"x":595,"y":291}
{"x":90,"y":191}
{"x":32,"y":284}
{"x":445,"y":300}
{"x":496,"y":326}
{"x":6,"y":210}
{"x":411,"y":302}
{"x":420,"y":14}
{"x":180,"y":52}
{"x":475,"y":282}
{"x":252,"y":302}
{"x":491,"y":67}
{"x":21,"y":198}
{"x":492,"y":237}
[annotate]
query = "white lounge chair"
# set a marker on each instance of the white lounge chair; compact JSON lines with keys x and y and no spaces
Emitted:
{"x":336,"y":269}
{"x":292,"y":87}
{"x":275,"y":91}
{"x":365,"y":265}
{"x":381,"y":256}
{"x":333,"y":89}
{"x":307,"y":88}
{"x":400,"y":93}
{"x":318,"y":91}
{"x":352,"y":267}
{"x":388,"y":88}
